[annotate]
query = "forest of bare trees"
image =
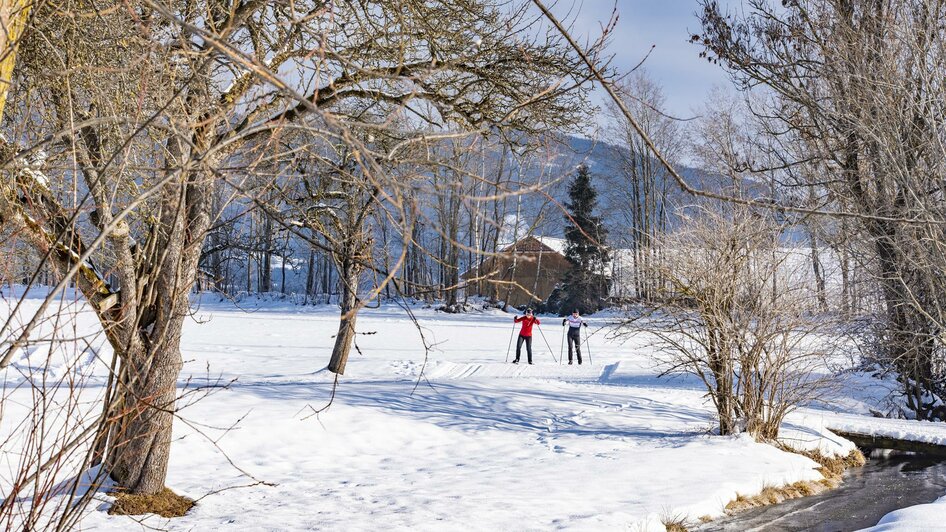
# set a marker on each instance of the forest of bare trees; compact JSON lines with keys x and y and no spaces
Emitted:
{"x":852,"y":123}
{"x":350,"y":152}
{"x":153,"y":148}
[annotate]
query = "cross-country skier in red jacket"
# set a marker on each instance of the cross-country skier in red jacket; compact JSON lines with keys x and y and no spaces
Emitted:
{"x":525,"y":334}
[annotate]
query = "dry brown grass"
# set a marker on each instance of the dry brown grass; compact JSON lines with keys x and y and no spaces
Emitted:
{"x":674,"y":523}
{"x":831,"y":469}
{"x":776,"y":494}
{"x":165,"y":503}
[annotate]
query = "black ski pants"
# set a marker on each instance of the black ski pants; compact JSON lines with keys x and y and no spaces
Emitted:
{"x":574,"y":338}
{"x":528,"y":341}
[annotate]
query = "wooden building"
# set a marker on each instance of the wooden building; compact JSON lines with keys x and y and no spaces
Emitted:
{"x":524,"y":273}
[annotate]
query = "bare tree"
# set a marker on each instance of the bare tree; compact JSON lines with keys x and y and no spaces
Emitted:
{"x":859,"y":82}
{"x":643,"y":195}
{"x":124,"y":119}
{"x":737,"y":316}
{"x":483,"y":72}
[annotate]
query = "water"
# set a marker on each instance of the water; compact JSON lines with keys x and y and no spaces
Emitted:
{"x":886,"y":483}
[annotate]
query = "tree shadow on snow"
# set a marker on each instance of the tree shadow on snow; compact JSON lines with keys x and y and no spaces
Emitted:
{"x":590,"y":411}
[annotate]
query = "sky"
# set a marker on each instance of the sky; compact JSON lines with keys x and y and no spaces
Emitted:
{"x":667,"y":26}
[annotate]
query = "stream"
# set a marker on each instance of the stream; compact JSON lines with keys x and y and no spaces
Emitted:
{"x":888,"y":482}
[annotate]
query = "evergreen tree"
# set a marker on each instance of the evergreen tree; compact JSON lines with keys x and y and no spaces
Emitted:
{"x":586,"y":286}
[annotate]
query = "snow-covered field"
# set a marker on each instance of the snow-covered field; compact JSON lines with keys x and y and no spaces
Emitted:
{"x":473,"y":443}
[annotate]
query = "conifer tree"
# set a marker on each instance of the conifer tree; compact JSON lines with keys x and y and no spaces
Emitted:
{"x":586,"y":286}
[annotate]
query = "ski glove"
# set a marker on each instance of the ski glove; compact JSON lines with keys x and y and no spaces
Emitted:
{"x":584,"y":324}
{"x":564,"y":322}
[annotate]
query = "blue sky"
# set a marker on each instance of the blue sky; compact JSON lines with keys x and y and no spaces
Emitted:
{"x":667,"y":25}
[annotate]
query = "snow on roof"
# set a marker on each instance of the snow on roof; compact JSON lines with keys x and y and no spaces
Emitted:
{"x":554,"y":243}
{"x":557,"y":244}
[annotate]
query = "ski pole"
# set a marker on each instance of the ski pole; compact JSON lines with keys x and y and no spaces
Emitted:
{"x":588,"y":346}
{"x":551,"y":353}
{"x":561,"y":351}
{"x":511,"y":334}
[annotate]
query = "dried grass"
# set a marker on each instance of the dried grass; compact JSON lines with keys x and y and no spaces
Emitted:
{"x":675,"y":524}
{"x":831,"y":469}
{"x":165,"y":503}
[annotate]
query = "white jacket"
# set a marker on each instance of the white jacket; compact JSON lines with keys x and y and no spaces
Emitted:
{"x":574,"y":322}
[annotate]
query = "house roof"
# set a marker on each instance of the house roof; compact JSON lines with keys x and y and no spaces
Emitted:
{"x":536,"y":244}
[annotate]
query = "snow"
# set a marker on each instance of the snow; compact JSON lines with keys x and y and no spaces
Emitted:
{"x":901,"y":429}
{"x":923,"y":517}
{"x":555,"y":244}
{"x":459,"y":439}
{"x":37,"y":176}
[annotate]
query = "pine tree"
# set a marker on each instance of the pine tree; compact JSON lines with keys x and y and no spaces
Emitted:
{"x":586,"y":286}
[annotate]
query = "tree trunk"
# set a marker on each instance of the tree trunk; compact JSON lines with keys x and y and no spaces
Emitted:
{"x":249,"y":273}
{"x":346,"y":327}
{"x":452,"y":268}
{"x":141,"y":441}
{"x":721,"y":368}
{"x":819,"y":273}
{"x":266,"y":268}
{"x":327,"y":284}
{"x":846,"y":297}
{"x":14,"y":15}
{"x":282,"y":272}
{"x":910,"y":331}
{"x":310,"y":275}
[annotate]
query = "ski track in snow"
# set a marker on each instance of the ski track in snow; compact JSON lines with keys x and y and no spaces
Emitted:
{"x":463,"y":441}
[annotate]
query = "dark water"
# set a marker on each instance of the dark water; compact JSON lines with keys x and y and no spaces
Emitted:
{"x":868,"y":493}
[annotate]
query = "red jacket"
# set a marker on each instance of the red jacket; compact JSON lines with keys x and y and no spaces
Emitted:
{"x":526,"y":325}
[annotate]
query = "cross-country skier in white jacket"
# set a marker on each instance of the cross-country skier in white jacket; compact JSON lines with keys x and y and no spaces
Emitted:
{"x":574,"y":323}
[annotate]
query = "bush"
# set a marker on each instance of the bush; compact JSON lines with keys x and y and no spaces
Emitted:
{"x":734,"y":313}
